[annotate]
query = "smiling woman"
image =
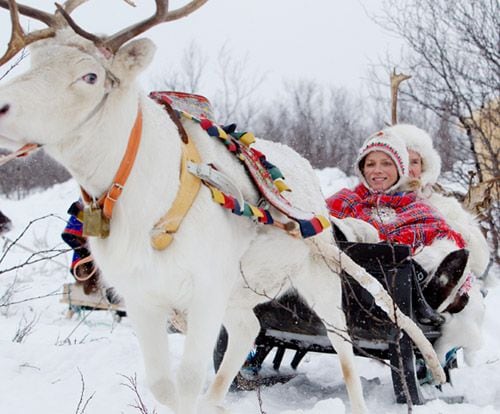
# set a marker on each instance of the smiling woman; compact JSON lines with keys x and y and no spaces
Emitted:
{"x":383,"y":164}
{"x":385,"y":202}
{"x":385,"y":199}
{"x":379,"y":171}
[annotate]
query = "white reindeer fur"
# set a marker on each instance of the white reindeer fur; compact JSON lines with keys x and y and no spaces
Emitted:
{"x":214,"y":253}
{"x":464,"y":223}
{"x":463,"y":329}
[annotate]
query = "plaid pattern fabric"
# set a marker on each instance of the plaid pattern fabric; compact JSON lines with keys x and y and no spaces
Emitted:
{"x":399,"y":217}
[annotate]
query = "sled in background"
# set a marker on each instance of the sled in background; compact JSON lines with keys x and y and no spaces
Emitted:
{"x":287,"y":323}
{"x":77,"y":300}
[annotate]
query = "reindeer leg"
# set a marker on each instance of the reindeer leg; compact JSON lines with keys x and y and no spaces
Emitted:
{"x":150,"y":326}
{"x":242,"y":328}
{"x":204,"y":322}
{"x":328,"y":305}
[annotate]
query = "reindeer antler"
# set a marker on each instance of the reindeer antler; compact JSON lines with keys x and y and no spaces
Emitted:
{"x":19,"y":40}
{"x":114,"y":42}
{"x":396,"y":79}
{"x":161,"y":15}
{"x":61,"y":18}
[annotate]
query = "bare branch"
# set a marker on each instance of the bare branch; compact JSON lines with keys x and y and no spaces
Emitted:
{"x":6,"y":304}
{"x":259,"y":399}
{"x":25,"y":327}
{"x":15,"y":242}
{"x":82,"y":406}
{"x":16,"y":63}
{"x":453,"y":47}
{"x":131,"y":384}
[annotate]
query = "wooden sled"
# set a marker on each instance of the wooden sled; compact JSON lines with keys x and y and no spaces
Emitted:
{"x":77,"y":300}
{"x":287,"y":323}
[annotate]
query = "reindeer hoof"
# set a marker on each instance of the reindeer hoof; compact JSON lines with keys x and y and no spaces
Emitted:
{"x":205,"y":407}
{"x":164,"y":392}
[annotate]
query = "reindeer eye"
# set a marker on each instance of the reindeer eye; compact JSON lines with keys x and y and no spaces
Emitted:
{"x":90,"y":78}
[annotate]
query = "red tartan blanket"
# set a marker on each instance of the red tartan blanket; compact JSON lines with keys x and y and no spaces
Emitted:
{"x":399,"y":218}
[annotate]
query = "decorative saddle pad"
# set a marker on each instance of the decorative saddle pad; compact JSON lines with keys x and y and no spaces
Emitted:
{"x":266,"y":176}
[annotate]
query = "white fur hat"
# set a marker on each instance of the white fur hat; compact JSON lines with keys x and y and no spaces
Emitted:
{"x":418,"y":140}
{"x":394,"y":148}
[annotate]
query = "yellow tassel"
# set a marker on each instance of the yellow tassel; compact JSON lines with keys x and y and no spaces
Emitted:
{"x":281,"y":186}
{"x":222,"y":133}
{"x":186,"y":115}
{"x":217,"y":195}
{"x":324,"y":221}
{"x":256,"y":212}
{"x":247,"y":138}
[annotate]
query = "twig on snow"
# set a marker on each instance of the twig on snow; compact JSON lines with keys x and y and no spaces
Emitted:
{"x":139,"y":404}
{"x":82,"y":406}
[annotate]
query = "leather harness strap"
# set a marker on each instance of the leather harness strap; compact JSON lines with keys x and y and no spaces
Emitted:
{"x":176,"y":120}
{"x":162,"y":232}
{"x":107,"y":201}
{"x":189,"y":186}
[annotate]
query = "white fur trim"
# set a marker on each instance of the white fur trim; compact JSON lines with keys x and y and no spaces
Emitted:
{"x":357,"y":230}
{"x":464,"y":223}
{"x":418,"y":140}
{"x":463,"y":329}
{"x":430,"y":257}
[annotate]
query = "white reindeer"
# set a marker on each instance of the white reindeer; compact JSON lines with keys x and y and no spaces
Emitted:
{"x":80,"y":100}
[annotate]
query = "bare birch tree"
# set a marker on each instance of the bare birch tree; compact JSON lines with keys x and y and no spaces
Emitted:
{"x":325,"y":125}
{"x":452,"y":51}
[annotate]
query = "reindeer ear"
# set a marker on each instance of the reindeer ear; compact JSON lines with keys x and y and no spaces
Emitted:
{"x":132,"y":58}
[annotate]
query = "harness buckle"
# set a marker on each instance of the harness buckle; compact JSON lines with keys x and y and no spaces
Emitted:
{"x":114,"y":197}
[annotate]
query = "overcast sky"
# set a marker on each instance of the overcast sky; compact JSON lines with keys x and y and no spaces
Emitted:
{"x":331,"y":41}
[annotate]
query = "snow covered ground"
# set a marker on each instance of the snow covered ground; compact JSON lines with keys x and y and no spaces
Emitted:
{"x":52,"y":364}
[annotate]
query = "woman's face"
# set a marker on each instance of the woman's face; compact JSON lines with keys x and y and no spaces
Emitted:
{"x":379,"y":171}
{"x":415,"y":164}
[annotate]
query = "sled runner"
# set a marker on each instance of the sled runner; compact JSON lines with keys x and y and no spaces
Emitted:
{"x":287,"y":323}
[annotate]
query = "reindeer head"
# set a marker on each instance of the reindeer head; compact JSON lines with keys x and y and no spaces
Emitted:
{"x":73,"y":73}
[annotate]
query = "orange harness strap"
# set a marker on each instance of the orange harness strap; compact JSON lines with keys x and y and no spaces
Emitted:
{"x":107,"y":201}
